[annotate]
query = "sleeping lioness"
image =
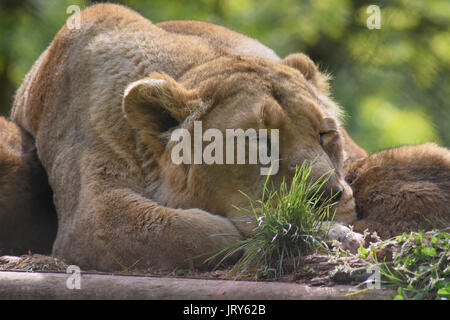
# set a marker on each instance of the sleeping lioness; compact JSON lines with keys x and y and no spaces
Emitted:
{"x":102,"y":103}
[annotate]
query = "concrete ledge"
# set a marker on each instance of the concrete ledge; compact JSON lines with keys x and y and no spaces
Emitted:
{"x":34,"y":285}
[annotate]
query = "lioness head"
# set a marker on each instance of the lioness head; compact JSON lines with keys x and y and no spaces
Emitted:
{"x":229,"y":94}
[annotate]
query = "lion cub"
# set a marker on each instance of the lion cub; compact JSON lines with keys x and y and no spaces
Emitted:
{"x":27,"y":215}
{"x":402,"y":189}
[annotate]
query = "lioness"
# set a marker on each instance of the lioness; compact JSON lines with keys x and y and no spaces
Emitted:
{"x":102,"y":102}
{"x":402,"y":189}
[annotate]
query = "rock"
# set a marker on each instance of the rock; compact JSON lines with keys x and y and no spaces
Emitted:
{"x":347,"y":238}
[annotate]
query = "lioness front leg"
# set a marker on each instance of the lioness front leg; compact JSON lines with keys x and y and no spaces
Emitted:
{"x":121,"y":228}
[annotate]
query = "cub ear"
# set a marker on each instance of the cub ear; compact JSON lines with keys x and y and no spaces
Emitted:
{"x":306,"y":66}
{"x":156,"y":104}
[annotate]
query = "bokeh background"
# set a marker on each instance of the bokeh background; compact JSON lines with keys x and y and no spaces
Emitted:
{"x":393,"y":82}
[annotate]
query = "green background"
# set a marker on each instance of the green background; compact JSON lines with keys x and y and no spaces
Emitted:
{"x":392,"y":82}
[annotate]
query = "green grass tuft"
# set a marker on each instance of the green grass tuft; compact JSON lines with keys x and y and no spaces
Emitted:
{"x":290,"y":222}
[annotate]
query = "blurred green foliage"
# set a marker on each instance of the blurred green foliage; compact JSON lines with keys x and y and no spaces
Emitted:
{"x":393,"y":82}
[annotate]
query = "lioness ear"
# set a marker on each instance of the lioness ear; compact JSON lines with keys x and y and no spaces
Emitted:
{"x":306,"y":66}
{"x":302,"y":63}
{"x":154,"y":105}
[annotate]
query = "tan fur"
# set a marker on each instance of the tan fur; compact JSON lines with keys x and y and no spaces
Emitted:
{"x":27,"y":215}
{"x":402,"y":189}
{"x":220,"y":37}
{"x":101,"y":103}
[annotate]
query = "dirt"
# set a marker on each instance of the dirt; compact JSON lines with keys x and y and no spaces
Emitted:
{"x":32,"y":262}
